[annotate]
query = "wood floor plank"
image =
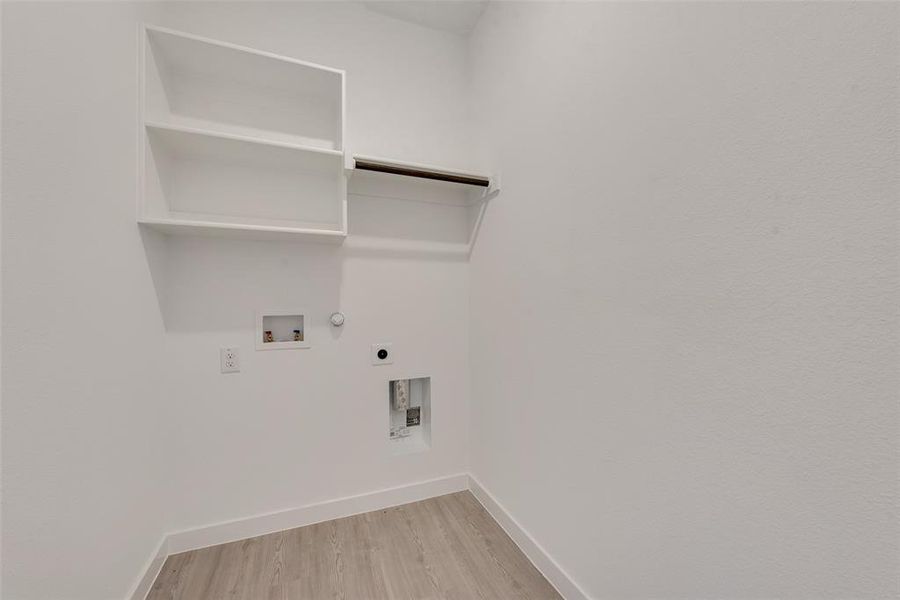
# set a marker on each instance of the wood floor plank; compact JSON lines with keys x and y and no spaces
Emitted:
{"x":313,"y":563}
{"x":445,"y":548}
{"x":260,"y":567}
{"x":362,"y":573}
{"x":447,"y":568}
{"x":170,"y":580}
{"x":479,"y":563}
{"x":402,"y":564}
{"x":199,"y":580}
{"x":509,"y":560}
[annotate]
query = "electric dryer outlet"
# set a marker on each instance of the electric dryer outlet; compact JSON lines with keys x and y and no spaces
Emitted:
{"x":382,"y":354}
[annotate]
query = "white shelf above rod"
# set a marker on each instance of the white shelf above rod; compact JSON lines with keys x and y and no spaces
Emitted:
{"x":366,"y":163}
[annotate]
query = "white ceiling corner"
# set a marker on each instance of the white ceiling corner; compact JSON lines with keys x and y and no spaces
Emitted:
{"x":455,"y":16}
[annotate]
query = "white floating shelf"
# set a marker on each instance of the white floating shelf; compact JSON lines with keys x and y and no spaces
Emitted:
{"x":245,"y":143}
{"x":379,"y":177}
{"x":199,"y":176}
{"x":241,"y":231}
{"x":367,"y":244}
{"x":239,"y":142}
{"x":173,"y":129}
{"x":415,"y":208}
{"x":194,"y":77}
{"x":265,"y":136}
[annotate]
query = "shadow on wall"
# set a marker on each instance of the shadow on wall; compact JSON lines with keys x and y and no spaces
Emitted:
{"x":406,"y":208}
{"x":403,"y":217}
{"x":155,"y":249}
{"x":218,"y":284}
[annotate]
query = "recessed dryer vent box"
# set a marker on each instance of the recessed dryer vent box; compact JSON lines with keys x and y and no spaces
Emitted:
{"x":409,"y":410}
{"x":281,"y":330}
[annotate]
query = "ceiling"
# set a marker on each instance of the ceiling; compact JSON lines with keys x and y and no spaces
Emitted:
{"x":455,"y":16}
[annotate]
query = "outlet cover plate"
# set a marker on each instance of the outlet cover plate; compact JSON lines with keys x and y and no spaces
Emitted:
{"x":377,"y":359}
{"x":230,"y":360}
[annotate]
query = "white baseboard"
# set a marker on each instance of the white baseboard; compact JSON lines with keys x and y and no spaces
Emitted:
{"x":557,"y":577}
{"x":232,"y":531}
{"x":151,"y":570}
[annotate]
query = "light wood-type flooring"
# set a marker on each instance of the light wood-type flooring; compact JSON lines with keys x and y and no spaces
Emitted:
{"x":444,"y":547}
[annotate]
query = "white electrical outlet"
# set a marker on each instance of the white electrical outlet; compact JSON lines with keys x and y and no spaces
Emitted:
{"x":230,"y":359}
{"x":382,"y":354}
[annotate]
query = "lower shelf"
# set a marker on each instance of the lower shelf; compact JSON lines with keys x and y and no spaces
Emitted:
{"x":234,"y":230}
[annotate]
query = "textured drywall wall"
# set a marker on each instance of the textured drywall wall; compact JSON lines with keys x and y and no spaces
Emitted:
{"x":684,"y":328}
{"x":84,"y":446}
{"x":303,"y":426}
{"x":118,"y":426}
{"x":684,"y":302}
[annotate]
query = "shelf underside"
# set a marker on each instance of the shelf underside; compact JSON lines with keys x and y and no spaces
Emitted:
{"x":242,"y":231}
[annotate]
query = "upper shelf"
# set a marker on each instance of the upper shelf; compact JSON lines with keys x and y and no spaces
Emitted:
{"x":239,"y":142}
{"x":176,"y":128}
{"x":211,"y":84}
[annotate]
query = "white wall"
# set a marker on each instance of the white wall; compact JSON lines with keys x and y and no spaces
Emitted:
{"x":1,"y":318}
{"x":118,"y":426}
{"x":406,"y":84}
{"x":296,"y":427}
{"x":684,"y":302}
{"x":683,"y":327}
{"x":84,"y":495}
